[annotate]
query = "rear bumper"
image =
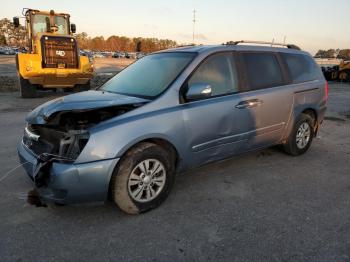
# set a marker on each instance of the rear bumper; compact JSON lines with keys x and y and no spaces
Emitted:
{"x":69,"y":183}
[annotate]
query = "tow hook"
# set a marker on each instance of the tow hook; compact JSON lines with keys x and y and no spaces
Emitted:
{"x":42,"y":171}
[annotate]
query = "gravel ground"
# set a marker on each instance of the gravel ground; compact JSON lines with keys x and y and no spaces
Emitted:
{"x":262,"y":206}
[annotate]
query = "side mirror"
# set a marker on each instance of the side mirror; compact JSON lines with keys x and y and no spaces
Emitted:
{"x":16,"y":22}
{"x":73,"y":28}
{"x":198,"y":91}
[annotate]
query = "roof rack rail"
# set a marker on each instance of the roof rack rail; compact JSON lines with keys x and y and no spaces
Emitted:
{"x":290,"y":46}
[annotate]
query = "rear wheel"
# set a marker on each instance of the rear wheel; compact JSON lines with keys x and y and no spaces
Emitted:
{"x":83,"y":87}
{"x":300,"y":138}
{"x":27,"y":90}
{"x":143,"y":178}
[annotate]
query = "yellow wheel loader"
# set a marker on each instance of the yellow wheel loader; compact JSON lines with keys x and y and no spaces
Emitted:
{"x":53,"y":59}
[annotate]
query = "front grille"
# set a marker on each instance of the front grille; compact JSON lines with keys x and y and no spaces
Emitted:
{"x":40,"y":139}
{"x":59,"y":52}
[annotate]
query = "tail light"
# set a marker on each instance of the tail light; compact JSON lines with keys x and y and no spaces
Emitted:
{"x":326,"y":90}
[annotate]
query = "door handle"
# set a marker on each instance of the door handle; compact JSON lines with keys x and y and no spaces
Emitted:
{"x":249,"y":103}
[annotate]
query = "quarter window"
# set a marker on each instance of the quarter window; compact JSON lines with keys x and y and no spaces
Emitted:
{"x":302,"y":68}
{"x":219,"y":72}
{"x":263,"y":70}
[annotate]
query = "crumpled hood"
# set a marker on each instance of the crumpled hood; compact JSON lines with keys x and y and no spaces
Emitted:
{"x":79,"y":102}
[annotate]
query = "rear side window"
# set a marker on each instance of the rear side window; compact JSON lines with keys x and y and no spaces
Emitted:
{"x":302,"y":68}
{"x":263,"y":70}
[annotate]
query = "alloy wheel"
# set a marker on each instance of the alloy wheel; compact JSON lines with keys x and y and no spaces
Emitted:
{"x":303,"y":135}
{"x":147,"y":180}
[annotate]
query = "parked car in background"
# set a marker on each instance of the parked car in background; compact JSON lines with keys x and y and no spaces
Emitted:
{"x":133,"y":55}
{"x":116,"y":55}
{"x":87,"y":53}
{"x":330,"y":72}
{"x":6,"y":50}
{"x":139,"y":55}
{"x":98,"y":55}
{"x":22,"y":50}
{"x":170,"y":112}
{"x":127,"y":55}
{"x":107,"y":54}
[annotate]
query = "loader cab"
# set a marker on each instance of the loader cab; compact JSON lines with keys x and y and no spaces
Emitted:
{"x":47,"y":23}
{"x":40,"y":23}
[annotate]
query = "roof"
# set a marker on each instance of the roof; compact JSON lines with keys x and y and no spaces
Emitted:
{"x":241,"y":47}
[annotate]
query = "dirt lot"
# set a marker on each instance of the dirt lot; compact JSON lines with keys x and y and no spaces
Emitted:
{"x":105,"y":68}
{"x":263,"y":206}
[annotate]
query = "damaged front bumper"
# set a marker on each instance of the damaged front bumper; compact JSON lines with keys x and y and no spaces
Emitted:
{"x":66,"y":182}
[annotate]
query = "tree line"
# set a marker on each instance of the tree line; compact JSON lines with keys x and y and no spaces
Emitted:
{"x":9,"y":35}
{"x":334,"y":53}
{"x":123,"y":43}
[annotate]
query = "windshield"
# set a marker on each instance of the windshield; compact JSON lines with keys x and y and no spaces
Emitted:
{"x":40,"y":26}
{"x":149,"y":76}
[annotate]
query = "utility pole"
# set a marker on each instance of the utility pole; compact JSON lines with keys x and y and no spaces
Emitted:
{"x":194,"y":23}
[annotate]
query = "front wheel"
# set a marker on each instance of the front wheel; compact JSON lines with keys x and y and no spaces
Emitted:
{"x":300,"y":138}
{"x":143,"y":179}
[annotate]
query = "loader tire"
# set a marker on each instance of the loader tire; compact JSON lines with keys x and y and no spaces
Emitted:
{"x":344,"y":75}
{"x":27,"y":90}
{"x":83,"y":87}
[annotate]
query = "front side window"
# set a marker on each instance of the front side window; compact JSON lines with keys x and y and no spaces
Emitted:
{"x":40,"y":23}
{"x":302,"y":68}
{"x":219,"y":72}
{"x":149,"y":76}
{"x":263,"y":70}
{"x":62,"y":25}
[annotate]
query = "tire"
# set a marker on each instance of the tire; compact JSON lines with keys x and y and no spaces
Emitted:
{"x":294,"y":146}
{"x":344,"y":75}
{"x":27,"y":90}
{"x":68,"y":89}
{"x":81,"y":88}
{"x":127,"y":179}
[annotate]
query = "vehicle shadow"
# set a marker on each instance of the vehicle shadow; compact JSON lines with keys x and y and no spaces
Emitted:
{"x":192,"y":187}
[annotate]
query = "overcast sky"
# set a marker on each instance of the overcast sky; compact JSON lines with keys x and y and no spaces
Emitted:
{"x":311,"y":24}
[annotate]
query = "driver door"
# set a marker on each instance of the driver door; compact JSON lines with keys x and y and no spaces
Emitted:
{"x":215,"y":127}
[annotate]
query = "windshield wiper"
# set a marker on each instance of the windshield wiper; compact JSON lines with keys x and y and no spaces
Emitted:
{"x":126,"y":94}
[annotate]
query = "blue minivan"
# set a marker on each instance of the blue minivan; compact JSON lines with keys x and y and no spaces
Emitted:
{"x":166,"y":113}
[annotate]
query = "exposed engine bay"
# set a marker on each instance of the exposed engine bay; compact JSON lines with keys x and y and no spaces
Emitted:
{"x":66,"y":133}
